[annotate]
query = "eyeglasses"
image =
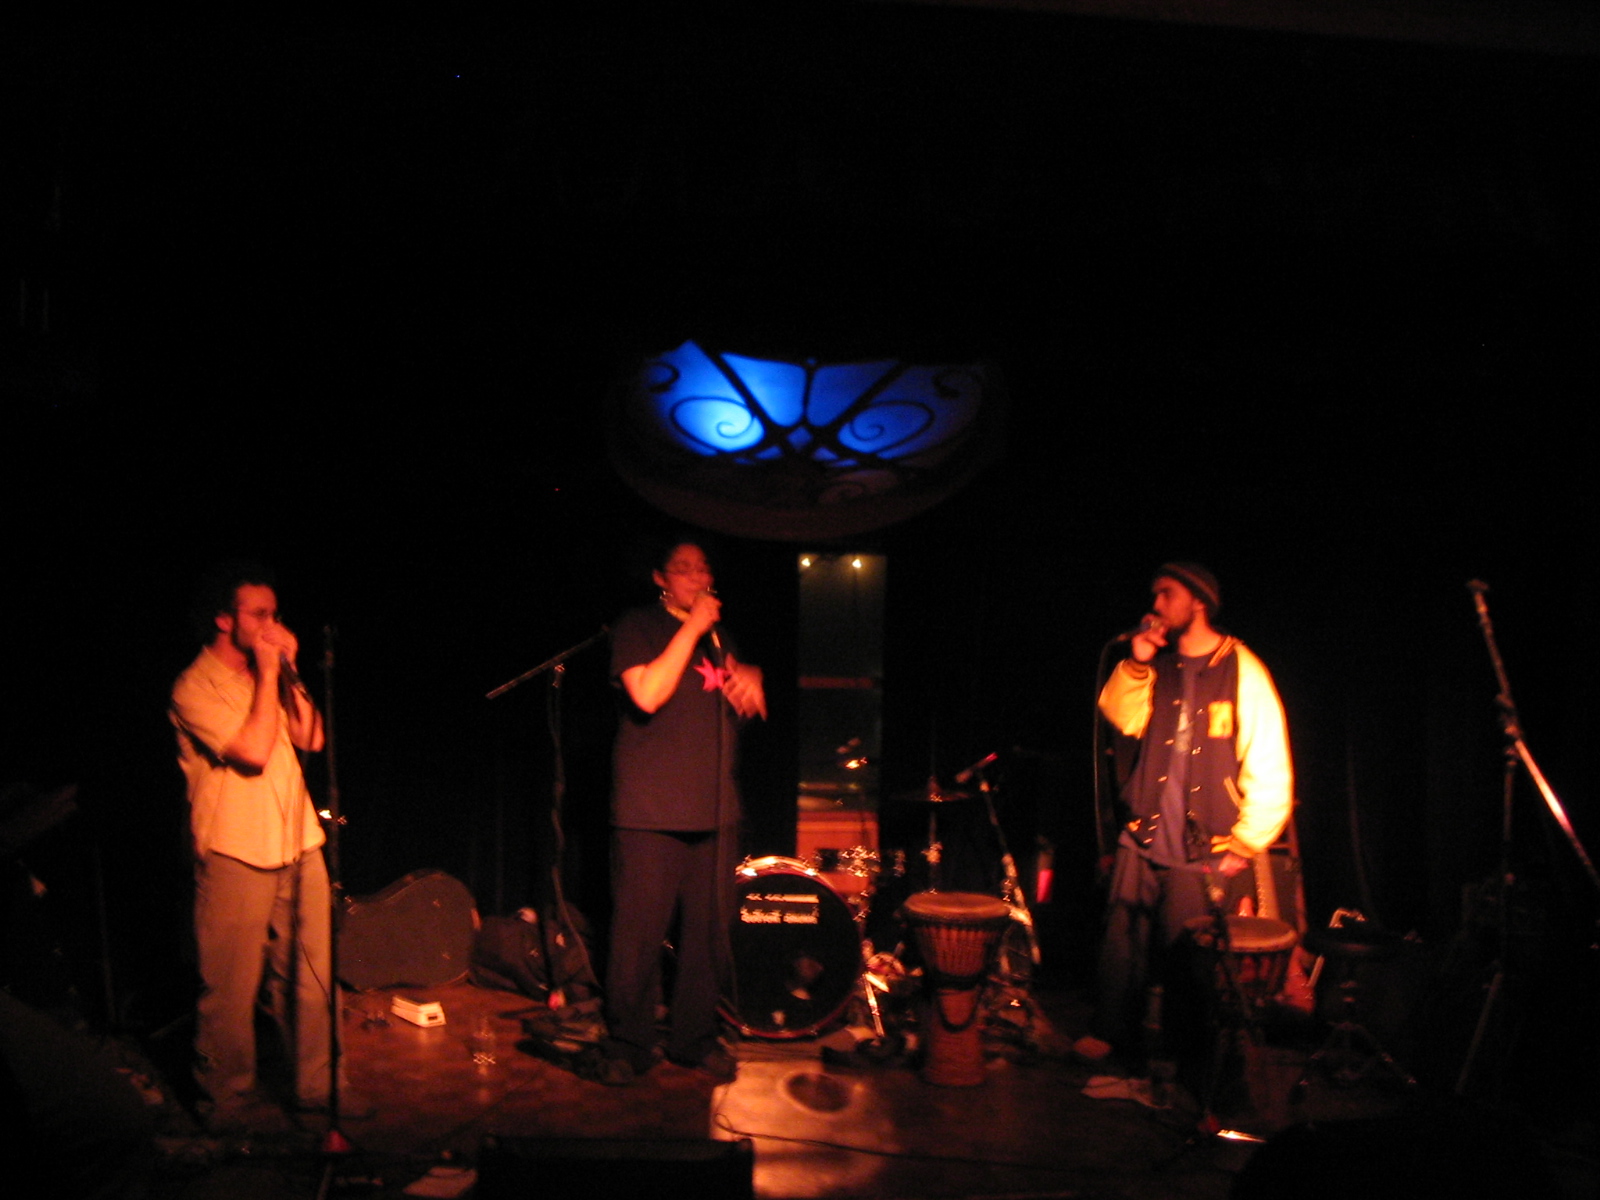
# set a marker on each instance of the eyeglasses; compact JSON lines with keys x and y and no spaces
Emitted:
{"x":690,"y":569}
{"x":260,"y":614}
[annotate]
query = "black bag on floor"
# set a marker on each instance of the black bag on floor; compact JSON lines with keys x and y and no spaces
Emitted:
{"x":545,"y":959}
{"x":509,"y":955}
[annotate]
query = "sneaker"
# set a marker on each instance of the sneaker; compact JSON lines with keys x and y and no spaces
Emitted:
{"x":717,"y":1063}
{"x":1091,"y":1049}
{"x":1114,"y":1087}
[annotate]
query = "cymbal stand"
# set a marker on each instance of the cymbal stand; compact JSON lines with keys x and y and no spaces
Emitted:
{"x":1011,"y":889}
{"x":934,"y":853}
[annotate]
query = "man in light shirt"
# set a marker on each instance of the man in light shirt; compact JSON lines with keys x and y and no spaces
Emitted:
{"x":261,"y":888}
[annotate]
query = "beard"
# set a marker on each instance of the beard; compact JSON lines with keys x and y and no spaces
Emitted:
{"x":1176,"y":630}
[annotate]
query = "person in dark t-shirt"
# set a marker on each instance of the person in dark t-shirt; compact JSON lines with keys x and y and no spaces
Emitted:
{"x":674,"y":807}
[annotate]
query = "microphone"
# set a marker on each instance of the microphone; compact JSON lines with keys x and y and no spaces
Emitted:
{"x":965,"y":776}
{"x":1478,"y":587}
{"x":1146,"y":623}
{"x":715,"y":632}
{"x":286,"y":671}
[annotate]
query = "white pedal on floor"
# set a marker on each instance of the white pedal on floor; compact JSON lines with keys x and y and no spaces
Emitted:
{"x":419,"y":1012}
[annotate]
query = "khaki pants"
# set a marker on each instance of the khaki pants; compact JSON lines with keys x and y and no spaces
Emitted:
{"x":249,"y":922}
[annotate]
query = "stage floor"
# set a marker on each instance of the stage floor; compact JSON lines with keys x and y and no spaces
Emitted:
{"x":819,"y":1130}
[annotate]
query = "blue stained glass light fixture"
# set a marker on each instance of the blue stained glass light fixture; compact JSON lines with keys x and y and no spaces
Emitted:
{"x":794,"y":449}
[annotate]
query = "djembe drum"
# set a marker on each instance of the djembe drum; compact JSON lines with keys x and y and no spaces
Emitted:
{"x":956,"y":933}
{"x":1259,"y":950}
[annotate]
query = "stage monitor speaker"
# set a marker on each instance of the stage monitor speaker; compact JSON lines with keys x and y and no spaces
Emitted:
{"x":523,"y":1168}
{"x":417,"y":932}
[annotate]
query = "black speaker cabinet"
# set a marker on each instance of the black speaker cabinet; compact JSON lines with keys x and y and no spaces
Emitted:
{"x":417,"y":932}
{"x":521,"y":1168}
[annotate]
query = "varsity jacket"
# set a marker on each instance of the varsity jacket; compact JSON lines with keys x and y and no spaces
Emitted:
{"x":1241,"y":783}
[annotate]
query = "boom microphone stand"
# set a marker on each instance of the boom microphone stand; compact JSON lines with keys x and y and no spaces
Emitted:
{"x":555,"y":666}
{"x":1516,"y":753}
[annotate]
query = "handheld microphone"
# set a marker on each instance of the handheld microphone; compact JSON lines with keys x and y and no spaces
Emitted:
{"x":715,"y":632}
{"x":1146,"y":623}
{"x":1478,"y":587}
{"x":965,"y":776}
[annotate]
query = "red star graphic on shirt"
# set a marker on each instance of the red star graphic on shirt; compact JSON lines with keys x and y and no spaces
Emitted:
{"x":713,"y":675}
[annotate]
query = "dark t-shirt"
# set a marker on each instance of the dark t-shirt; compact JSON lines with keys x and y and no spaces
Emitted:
{"x":665,"y":766}
{"x":1170,"y":848}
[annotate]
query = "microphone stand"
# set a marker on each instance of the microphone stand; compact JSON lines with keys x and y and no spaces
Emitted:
{"x":1232,"y":1027}
{"x":334,"y":1142}
{"x":725,"y":853}
{"x":1234,"y":1024}
{"x":555,"y":666}
{"x":1516,"y":752}
{"x":1101,"y":757}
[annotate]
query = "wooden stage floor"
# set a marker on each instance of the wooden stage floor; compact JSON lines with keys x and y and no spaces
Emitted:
{"x":819,"y":1130}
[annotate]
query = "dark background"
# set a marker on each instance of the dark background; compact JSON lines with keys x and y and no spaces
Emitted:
{"x":350,"y":297}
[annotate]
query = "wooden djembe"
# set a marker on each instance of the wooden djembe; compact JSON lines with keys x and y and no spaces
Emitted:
{"x":957,"y":933}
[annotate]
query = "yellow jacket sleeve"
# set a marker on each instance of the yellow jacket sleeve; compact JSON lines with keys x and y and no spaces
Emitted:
{"x":1128,"y":697}
{"x":1266,"y":776}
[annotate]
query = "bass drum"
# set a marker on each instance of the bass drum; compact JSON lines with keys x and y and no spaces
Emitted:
{"x":796,"y":952}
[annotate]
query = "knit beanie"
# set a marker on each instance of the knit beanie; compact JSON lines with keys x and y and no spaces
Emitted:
{"x":1197,"y":579}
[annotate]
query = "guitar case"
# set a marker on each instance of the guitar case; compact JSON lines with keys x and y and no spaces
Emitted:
{"x":417,"y":932}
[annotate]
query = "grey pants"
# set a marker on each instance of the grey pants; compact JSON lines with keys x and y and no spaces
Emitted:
{"x":251,"y":923}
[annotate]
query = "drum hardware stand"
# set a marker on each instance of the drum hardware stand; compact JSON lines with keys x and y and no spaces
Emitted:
{"x":1012,"y":1016}
{"x":934,"y":853}
{"x":1516,"y":753}
{"x":1349,"y":1040}
{"x":1010,"y":991}
{"x":1226,"y":1033}
{"x":876,"y":980}
{"x":877,"y":967}
{"x":1011,"y":889}
{"x":871,"y":985}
